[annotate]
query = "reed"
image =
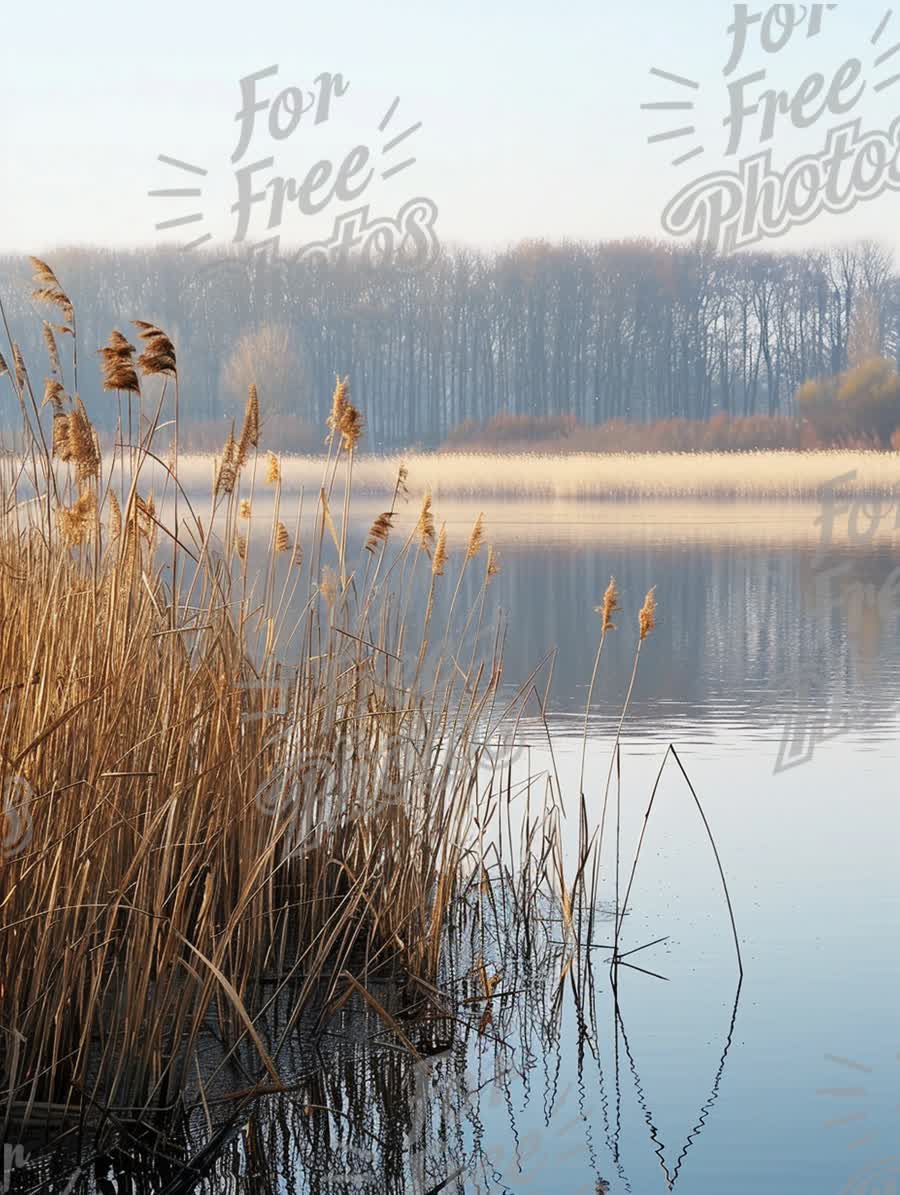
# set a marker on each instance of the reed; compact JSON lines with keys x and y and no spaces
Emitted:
{"x":227,"y":791}
{"x":584,"y":476}
{"x":213,"y":781}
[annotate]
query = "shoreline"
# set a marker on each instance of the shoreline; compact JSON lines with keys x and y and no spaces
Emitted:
{"x":588,"y":477}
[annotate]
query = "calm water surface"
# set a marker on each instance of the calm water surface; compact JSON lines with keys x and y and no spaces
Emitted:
{"x":776,"y":673}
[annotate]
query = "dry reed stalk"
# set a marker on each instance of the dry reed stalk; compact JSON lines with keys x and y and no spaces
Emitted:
{"x":607,"y":610}
{"x":155,"y":767}
{"x":210,"y":799}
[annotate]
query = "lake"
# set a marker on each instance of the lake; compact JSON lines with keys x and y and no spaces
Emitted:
{"x":773,"y":670}
{"x":774,"y":673}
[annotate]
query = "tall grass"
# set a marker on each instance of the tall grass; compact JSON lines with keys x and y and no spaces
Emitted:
{"x":239,"y":772}
{"x":220,"y":783}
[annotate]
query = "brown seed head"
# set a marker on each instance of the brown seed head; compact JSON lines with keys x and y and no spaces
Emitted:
{"x":42,"y":272}
{"x":339,"y":400}
{"x":53,"y":395}
{"x":351,"y":426}
{"x":250,"y":429}
{"x":82,"y":443}
{"x":273,"y":469}
{"x":439,"y":562}
{"x":647,"y":615}
{"x":61,"y":447}
{"x":379,"y":531}
{"x":117,"y":366}
{"x":52,"y":349}
{"x":226,"y":475}
{"x":76,"y":522}
{"x":476,"y":538}
{"x":159,"y":354}
{"x":610,"y":605}
{"x":425,"y":525}
{"x":21,"y":371}
{"x":120,"y":343}
{"x":49,"y":290}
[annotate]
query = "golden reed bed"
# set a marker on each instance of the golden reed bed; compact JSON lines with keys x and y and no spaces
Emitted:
{"x":718,"y":476}
{"x":228,"y":783}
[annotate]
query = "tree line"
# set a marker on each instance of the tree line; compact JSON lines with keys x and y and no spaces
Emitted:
{"x":618,"y":330}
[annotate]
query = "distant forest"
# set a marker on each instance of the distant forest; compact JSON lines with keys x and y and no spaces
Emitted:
{"x":631,"y":330}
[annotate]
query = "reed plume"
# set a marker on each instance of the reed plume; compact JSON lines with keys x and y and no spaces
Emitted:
{"x":439,"y":562}
{"x":158,"y":356}
{"x":48,"y":289}
{"x":351,"y":426}
{"x":227,"y":472}
{"x":245,"y":509}
{"x":647,"y":614}
{"x":493,"y":564}
{"x":60,"y":437}
{"x":117,"y":366}
{"x":54,"y":394}
{"x":76,"y":522}
{"x":52,"y":347}
{"x":282,"y":539}
{"x":339,"y":400}
{"x":249,"y":437}
{"x":476,"y":539}
{"x":83,"y":449}
{"x":21,"y":371}
{"x":379,"y":531}
{"x":610,"y":606}
{"x":425,"y":525}
{"x":273,"y":469}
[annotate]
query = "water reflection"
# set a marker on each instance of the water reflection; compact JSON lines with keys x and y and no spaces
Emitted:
{"x":744,"y":635}
{"x":516,"y":1088}
{"x":659,"y":1147}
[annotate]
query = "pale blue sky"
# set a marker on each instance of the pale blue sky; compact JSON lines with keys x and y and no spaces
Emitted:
{"x":531,"y":112}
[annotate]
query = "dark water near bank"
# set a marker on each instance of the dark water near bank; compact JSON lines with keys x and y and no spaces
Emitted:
{"x":776,"y":674}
